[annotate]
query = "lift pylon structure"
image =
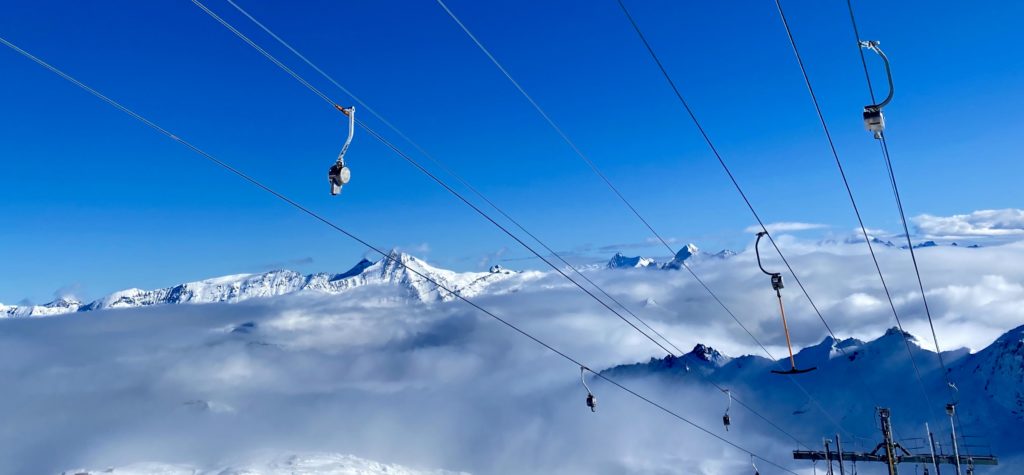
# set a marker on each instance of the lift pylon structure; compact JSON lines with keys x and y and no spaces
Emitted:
{"x":891,"y":453}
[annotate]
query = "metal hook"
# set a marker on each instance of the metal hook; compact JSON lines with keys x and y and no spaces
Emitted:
{"x":349,"y":112}
{"x":776,"y":277}
{"x":756,"y":472}
{"x":873,"y":46}
{"x":874,"y":120}
{"x":591,"y":399}
{"x":726,"y":420}
{"x":339,"y":175}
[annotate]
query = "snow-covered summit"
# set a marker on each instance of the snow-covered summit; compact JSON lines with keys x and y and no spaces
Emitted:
{"x":619,"y":261}
{"x":56,"y":307}
{"x":398,"y":269}
{"x":685,"y":253}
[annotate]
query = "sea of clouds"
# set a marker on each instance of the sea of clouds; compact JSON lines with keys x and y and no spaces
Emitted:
{"x":442,"y":386}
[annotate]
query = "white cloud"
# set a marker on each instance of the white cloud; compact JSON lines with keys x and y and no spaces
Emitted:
{"x":990,"y":222}
{"x":785,"y":226}
{"x":443,"y":386}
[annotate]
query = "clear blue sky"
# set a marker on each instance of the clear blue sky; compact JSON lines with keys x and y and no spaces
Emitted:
{"x":93,"y":201}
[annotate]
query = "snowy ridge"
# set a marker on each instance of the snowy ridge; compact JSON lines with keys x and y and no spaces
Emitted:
{"x":688,"y":252}
{"x":991,"y":380}
{"x":1000,"y":368}
{"x":236,"y":288}
{"x":619,"y":261}
{"x":57,"y":307}
{"x":398,"y":269}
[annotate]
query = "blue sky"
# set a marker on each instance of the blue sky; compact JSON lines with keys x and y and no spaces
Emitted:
{"x":94,"y":202}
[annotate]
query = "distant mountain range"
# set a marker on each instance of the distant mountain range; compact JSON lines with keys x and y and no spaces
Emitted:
{"x":688,"y":252}
{"x":239,"y":287}
{"x":410,"y":276}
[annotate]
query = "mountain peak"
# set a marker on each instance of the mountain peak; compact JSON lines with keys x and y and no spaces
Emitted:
{"x":707,"y":354}
{"x":894,"y":331}
{"x":619,"y":261}
{"x":724,"y":254}
{"x":685,"y":253}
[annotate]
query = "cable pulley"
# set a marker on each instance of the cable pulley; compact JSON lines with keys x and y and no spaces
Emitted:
{"x":339,"y":174}
{"x":777,"y":286}
{"x":591,"y":398}
{"x":874,"y":121}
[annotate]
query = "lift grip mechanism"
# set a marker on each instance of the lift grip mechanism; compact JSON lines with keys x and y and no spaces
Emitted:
{"x":874,"y":120}
{"x":776,"y":277}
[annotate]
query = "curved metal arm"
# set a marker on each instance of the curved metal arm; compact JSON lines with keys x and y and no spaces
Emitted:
{"x":758,"y":253}
{"x":873,"y":46}
{"x":583,"y":370}
{"x":351,"y":113}
{"x":729,"y":394}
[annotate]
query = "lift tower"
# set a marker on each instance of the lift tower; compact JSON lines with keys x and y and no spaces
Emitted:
{"x":891,"y":453}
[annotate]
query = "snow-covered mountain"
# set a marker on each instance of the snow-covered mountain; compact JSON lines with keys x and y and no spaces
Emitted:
{"x":685,"y":253}
{"x":688,"y":252}
{"x":619,"y":261}
{"x":56,"y":307}
{"x":998,"y":371}
{"x":412,"y":276}
{"x":702,"y":358}
{"x":852,"y":376}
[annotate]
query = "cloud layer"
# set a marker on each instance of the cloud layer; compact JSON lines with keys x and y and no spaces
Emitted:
{"x":442,"y":386}
{"x":785,"y":226}
{"x":991,"y":222}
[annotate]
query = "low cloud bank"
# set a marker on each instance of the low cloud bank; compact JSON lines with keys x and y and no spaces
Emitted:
{"x":441,"y":386}
{"x":991,"y":222}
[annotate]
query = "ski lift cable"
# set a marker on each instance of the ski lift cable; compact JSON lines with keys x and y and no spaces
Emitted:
{"x":853,"y":201}
{"x":728,"y":172}
{"x":230,"y":168}
{"x":892,"y":180}
{"x":534,"y":237}
{"x":430,"y":174}
{"x":884,"y":147}
{"x":632,"y":208}
{"x":913,"y":258}
{"x":446,"y":169}
{"x":422,"y":169}
{"x":554,"y":125}
{"x":521,"y":227}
